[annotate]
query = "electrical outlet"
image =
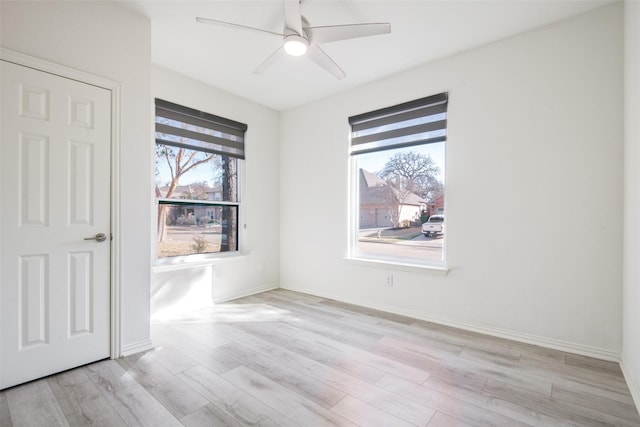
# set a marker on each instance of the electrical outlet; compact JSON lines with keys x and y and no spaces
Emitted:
{"x":389,"y":280}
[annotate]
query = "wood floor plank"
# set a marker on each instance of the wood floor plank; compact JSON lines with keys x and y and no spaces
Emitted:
{"x":246,"y":310}
{"x":172,"y":359}
{"x":211,"y":415}
{"x":316,"y":350}
{"x":189,"y":341}
{"x":472,"y":339}
{"x":494,"y":355}
{"x":456,"y":408}
{"x":612,"y":407}
{"x":496,"y":404}
{"x":443,"y":420}
{"x":558,"y":373}
{"x":366,"y":415}
{"x":318,"y":306}
{"x":297,"y":307}
{"x":135,"y":405}
{"x":287,"y":377}
{"x":232,"y":400}
{"x":165,"y":387}
{"x":297,"y":296}
{"x":108,"y":375}
{"x":437,"y":346}
{"x":81,"y":400}
{"x":331,"y":327}
{"x":5,"y":415}
{"x":473,"y":364}
{"x":298,"y":408}
{"x":560,"y":409}
{"x":258,"y":339}
{"x":369,"y":311}
{"x":387,"y":327}
{"x":594,"y":390}
{"x":177,"y":335}
{"x":34,"y":404}
{"x":407,"y":354}
{"x":490,"y":367}
{"x":328,"y":352}
{"x":281,"y":358}
{"x":592,"y":364}
{"x":379,"y":397}
{"x":364,"y":391}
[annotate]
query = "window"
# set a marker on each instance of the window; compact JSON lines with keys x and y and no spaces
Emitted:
{"x":198,"y":156}
{"x":397,"y":183}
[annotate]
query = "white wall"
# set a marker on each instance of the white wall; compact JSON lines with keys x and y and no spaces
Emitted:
{"x":105,"y":40}
{"x":529,"y":143}
{"x":631,"y":275}
{"x":534,"y":190}
{"x":176,"y":290}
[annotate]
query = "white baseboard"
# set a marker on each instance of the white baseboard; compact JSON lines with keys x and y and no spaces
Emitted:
{"x":231,"y":296}
{"x":136,"y":347}
{"x":634,"y":387}
{"x":569,"y":347}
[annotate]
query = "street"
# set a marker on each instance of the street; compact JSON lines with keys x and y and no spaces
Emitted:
{"x":420,"y":248}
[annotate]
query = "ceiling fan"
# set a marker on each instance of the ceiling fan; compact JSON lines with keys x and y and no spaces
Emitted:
{"x":300,"y":38}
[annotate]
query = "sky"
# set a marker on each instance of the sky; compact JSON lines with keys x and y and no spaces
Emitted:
{"x":374,"y":162}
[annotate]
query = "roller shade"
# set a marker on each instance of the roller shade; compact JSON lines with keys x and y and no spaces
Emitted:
{"x":417,"y":122}
{"x":184,"y":127}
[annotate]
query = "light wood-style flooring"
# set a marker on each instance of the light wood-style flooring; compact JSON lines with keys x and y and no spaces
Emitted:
{"x":288,"y":359}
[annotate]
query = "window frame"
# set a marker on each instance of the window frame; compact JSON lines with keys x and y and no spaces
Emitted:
{"x":170,"y":201}
{"x":395,"y":262}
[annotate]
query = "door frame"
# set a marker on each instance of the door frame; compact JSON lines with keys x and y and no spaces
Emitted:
{"x":113,"y":87}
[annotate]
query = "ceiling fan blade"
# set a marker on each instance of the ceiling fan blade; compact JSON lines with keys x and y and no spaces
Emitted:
{"x":292,"y":15}
{"x":236,"y":26}
{"x":318,"y":56}
{"x":270,"y":60}
{"x":332,"y":33}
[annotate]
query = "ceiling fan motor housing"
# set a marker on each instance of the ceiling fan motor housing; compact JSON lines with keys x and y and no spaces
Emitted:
{"x":295,"y":44}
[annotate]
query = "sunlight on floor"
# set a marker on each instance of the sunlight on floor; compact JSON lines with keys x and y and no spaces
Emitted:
{"x":227,"y":312}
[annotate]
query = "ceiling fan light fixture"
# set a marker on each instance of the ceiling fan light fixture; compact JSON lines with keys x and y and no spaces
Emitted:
{"x":295,"y":45}
{"x":297,"y":32}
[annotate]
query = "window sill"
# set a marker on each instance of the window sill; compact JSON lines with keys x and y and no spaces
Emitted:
{"x":398,"y":265}
{"x":184,"y":262}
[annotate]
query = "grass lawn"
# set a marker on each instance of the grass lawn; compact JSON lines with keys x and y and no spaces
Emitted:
{"x":397,"y":234}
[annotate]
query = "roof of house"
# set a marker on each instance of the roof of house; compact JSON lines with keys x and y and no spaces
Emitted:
{"x":371,"y":179}
{"x":375,"y":190}
{"x":181,"y":190}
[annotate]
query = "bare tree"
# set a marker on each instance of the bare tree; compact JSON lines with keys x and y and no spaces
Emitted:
{"x":413,"y":172}
{"x":230,"y":193}
{"x":179,"y":161}
{"x":196,"y":191}
{"x":408,"y":173}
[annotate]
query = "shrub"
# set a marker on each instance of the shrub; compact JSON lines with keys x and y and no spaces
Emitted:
{"x":200,"y":245}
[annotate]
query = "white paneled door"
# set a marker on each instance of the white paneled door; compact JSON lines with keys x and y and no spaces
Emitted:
{"x":54,"y":224}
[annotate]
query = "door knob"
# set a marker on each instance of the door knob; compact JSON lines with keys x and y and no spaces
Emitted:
{"x":100,"y":237}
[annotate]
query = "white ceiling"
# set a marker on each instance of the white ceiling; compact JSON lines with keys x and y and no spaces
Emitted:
{"x":421,"y":31}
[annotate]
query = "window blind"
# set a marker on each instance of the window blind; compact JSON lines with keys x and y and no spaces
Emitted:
{"x":185,"y":127}
{"x":417,"y":122}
